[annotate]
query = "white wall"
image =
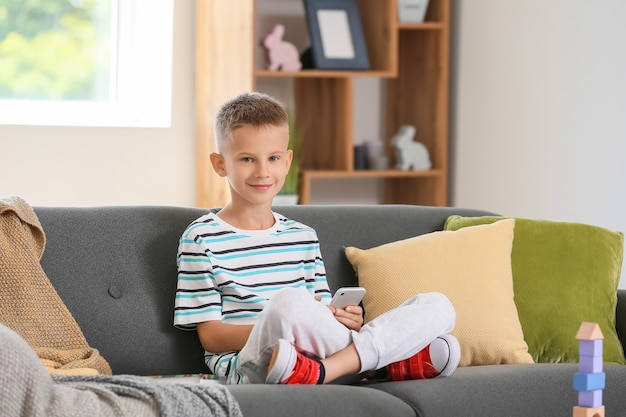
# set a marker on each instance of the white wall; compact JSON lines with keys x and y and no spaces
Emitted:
{"x":539,"y":109}
{"x":104,"y":166}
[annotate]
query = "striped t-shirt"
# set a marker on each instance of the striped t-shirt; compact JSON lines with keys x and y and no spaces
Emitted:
{"x":229,"y":274}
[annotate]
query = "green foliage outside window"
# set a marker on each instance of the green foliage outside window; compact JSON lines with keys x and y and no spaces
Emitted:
{"x":55,"y":49}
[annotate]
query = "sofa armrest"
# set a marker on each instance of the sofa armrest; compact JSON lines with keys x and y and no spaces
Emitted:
{"x":620,"y":319}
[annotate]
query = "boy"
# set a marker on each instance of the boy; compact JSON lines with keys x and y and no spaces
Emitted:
{"x":254,"y":286}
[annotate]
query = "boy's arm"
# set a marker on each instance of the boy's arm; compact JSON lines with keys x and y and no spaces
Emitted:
{"x":216,"y":336}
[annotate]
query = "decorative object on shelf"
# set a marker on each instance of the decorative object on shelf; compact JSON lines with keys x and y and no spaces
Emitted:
{"x":280,"y":54}
{"x":376,"y":159}
{"x":409,"y":153}
{"x":336,"y":34}
{"x":360,"y":157}
{"x":412,"y":10}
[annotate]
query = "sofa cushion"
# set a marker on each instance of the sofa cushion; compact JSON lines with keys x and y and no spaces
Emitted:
{"x":268,"y":400}
{"x":538,"y":390}
{"x":472,"y":267}
{"x":563,"y":274}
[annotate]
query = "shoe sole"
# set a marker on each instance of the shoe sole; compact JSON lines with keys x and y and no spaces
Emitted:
{"x":282,"y":362}
{"x":455,"y":355}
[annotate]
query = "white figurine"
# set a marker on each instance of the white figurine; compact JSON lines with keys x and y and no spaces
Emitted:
{"x":410,"y":154}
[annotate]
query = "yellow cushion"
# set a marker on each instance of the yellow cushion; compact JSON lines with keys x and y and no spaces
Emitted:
{"x":472,"y":267}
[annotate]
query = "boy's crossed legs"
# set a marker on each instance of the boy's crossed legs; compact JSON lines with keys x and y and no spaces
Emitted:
{"x":307,"y":330}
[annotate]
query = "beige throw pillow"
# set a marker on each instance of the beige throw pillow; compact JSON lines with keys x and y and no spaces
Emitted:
{"x":472,"y":267}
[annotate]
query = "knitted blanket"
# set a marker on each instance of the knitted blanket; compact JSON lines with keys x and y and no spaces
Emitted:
{"x":27,"y":390}
{"x":30,"y":304}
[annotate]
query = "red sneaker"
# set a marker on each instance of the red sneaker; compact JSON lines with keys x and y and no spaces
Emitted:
{"x":290,"y":366}
{"x":440,"y":358}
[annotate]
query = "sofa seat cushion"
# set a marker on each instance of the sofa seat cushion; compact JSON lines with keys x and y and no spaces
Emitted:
{"x":471,"y":267}
{"x":317,"y":400}
{"x":563,"y":274}
{"x":506,"y":390}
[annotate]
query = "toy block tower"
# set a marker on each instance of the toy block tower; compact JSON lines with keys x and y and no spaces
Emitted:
{"x":589,"y":381}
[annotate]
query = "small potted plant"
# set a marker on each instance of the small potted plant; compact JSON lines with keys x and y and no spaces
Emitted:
{"x":288,"y":195}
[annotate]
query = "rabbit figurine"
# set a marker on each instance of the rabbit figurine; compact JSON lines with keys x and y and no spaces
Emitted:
{"x":409,"y":153}
{"x":281,"y":55}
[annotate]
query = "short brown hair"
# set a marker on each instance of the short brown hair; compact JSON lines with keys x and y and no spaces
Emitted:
{"x":255,"y":109}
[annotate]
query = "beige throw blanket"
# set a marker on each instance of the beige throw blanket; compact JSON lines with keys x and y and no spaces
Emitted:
{"x":29,"y":304}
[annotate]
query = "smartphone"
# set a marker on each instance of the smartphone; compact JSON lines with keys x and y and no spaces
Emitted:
{"x":347,"y":296}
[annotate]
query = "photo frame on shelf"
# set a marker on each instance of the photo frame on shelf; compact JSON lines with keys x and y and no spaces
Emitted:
{"x":336,"y":34}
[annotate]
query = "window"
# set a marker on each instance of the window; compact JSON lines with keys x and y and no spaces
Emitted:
{"x":86,"y":62}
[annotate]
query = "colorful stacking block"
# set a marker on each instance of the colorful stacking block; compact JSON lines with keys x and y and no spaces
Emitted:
{"x":590,"y":380}
{"x":590,"y":364}
{"x":590,"y":398}
{"x":590,"y":347}
{"x":588,"y":412}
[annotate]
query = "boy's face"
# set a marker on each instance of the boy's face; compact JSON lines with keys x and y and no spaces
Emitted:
{"x":256,"y":163}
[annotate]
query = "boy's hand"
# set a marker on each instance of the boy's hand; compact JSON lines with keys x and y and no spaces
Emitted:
{"x":351,"y":316}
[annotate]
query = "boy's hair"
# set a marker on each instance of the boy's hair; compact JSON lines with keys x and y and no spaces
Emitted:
{"x":255,"y":109}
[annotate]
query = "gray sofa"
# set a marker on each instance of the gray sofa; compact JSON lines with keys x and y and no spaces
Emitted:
{"x":115,"y":269}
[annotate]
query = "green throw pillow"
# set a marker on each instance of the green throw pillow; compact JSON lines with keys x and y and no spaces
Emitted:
{"x":563,"y":274}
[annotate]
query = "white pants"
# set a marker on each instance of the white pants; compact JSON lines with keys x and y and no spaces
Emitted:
{"x":294,"y":315}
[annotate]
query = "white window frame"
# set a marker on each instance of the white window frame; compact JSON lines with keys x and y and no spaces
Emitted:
{"x":142,"y":95}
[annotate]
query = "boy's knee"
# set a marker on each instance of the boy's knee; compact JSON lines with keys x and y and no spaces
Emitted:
{"x":447,"y":308}
{"x":286,"y":303}
{"x":291,"y":297}
{"x":444,"y":307}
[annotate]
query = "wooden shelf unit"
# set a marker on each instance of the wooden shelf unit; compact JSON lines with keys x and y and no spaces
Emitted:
{"x":413,"y":58}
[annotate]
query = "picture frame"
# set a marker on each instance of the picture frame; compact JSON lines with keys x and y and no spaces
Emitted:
{"x":336,"y":34}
